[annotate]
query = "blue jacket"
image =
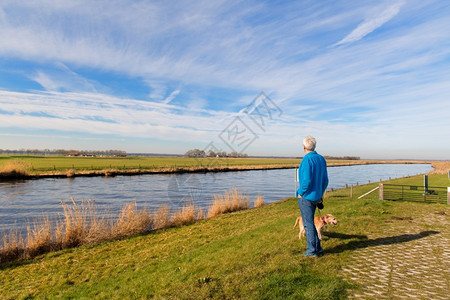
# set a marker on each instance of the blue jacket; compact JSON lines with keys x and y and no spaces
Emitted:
{"x":312,"y":176}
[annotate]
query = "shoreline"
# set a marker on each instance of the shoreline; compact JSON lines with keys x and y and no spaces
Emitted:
{"x":111,"y":172}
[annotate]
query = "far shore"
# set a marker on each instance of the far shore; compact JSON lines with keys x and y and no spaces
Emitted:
{"x":110,"y":172}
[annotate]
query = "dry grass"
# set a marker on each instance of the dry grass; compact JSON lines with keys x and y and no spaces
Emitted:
{"x":187,"y":215}
{"x":440,"y":167}
{"x":161,"y":217}
{"x":15,"y":168}
{"x":81,"y":224}
{"x":70,"y":173}
{"x":229,"y":202}
{"x":13,"y":246}
{"x":110,"y":172}
{"x":132,"y":222}
{"x":39,"y":238}
{"x":259,"y":201}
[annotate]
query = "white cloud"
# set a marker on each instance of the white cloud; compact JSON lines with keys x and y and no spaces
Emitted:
{"x":372,"y":23}
{"x":101,"y":114}
{"x":334,"y":92}
{"x":171,"y":96}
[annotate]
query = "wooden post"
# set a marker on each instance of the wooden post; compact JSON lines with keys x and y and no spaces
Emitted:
{"x":448,"y":195}
{"x":381,"y":195}
{"x":351,"y":191}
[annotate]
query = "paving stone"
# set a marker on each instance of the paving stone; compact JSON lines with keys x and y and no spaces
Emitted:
{"x":410,"y":265}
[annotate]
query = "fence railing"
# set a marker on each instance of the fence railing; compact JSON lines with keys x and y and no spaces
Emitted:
{"x":413,"y":193}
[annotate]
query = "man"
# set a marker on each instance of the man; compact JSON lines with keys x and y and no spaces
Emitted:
{"x":313,"y":180}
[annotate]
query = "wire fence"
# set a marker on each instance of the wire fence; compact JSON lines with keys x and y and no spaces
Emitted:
{"x":415,"y":193}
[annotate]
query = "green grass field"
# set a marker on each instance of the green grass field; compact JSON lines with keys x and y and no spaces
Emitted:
{"x":62,"y":163}
{"x":251,"y":254}
{"x":59,"y":165}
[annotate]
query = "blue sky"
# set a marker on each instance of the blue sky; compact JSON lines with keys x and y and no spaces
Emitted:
{"x":366,"y":78}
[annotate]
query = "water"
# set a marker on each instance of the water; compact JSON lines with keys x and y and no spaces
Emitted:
{"x":25,"y":201}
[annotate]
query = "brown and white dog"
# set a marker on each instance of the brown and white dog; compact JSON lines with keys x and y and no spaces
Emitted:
{"x":319,"y":221}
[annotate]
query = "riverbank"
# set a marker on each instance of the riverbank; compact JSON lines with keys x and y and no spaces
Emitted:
{"x":250,"y":254}
{"x":33,"y":167}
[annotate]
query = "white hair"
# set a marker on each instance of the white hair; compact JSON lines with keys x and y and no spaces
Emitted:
{"x":309,"y":143}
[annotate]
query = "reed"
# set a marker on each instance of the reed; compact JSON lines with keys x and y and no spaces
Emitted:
{"x":81,"y":224}
{"x":230,"y":201}
{"x":75,"y":222}
{"x":440,"y":167}
{"x":259,"y":201}
{"x":39,"y":238}
{"x":14,"y":169}
{"x":132,"y":222}
{"x":187,"y":215}
{"x":70,"y":173}
{"x":13,"y":246}
{"x":161,"y":217}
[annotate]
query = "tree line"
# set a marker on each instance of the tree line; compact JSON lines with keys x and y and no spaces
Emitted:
{"x":342,"y":157}
{"x":211,"y":153}
{"x":70,"y":152}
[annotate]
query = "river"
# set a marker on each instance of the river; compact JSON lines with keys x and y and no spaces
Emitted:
{"x":24,"y":201}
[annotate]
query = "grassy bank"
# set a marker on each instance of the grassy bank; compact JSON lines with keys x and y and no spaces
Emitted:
{"x":48,"y":166}
{"x":82,"y":224}
{"x":247,"y":254}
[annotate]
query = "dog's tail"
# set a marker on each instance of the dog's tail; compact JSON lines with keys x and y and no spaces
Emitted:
{"x":296,"y":222}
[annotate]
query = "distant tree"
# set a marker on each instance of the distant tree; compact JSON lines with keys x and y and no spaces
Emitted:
{"x":222,"y":154}
{"x":195,"y":153}
{"x":234,"y":154}
{"x":211,"y":153}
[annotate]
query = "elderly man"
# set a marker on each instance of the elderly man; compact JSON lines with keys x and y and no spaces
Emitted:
{"x":313,"y":180}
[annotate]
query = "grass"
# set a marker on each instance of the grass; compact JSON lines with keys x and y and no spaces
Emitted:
{"x":54,"y":165}
{"x":251,"y":254}
{"x":81,"y":225}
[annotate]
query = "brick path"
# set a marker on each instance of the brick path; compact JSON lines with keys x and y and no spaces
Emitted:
{"x":410,"y":259}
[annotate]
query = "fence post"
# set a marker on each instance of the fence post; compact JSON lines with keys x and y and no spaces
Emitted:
{"x":351,"y":191}
{"x":381,"y":194}
{"x":448,"y":195}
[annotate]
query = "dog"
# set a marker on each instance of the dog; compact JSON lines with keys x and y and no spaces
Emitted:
{"x":319,"y":221}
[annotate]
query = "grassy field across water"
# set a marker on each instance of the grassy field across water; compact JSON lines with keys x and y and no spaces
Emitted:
{"x":251,"y":254}
{"x":54,"y":165}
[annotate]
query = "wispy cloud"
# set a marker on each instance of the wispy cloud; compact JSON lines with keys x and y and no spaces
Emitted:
{"x":171,"y":96}
{"x":372,"y":23}
{"x":146,"y":69}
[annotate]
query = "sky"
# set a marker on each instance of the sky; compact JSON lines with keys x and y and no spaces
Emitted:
{"x":365,"y":78}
